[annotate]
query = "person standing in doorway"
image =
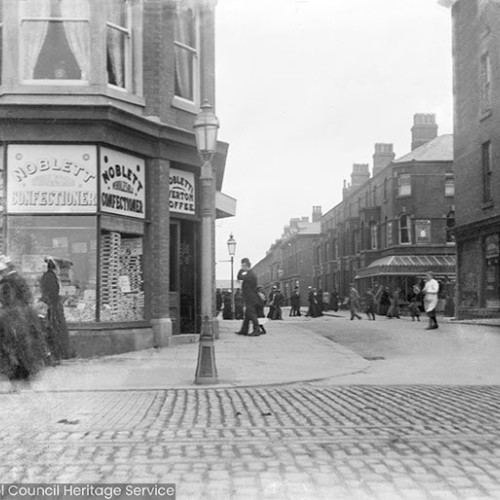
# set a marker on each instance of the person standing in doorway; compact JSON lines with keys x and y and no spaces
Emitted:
{"x":250,"y":298}
{"x":430,"y":290}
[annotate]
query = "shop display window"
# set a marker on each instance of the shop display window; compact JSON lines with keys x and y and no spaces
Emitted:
{"x":71,"y":241}
{"x":121,"y":277}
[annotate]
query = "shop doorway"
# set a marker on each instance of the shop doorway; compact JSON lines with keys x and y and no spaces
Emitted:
{"x":184,"y":287}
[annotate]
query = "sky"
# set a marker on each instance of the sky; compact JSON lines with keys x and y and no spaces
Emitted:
{"x":305,"y":88}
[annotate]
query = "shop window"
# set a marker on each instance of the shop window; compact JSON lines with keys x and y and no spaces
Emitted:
{"x":71,"y":241}
{"x":404,"y":185}
{"x":486,"y":161}
{"x":55,"y":41}
{"x":119,"y":43}
{"x":404,"y":229}
{"x":186,"y":52}
{"x":491,"y":251}
{"x":485,"y":82}
{"x":373,"y":236}
{"x":121,"y":280}
{"x":449,"y":185}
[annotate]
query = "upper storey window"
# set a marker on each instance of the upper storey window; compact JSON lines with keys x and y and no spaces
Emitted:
{"x":55,"y":42}
{"x":187,"y":62}
{"x":118,"y":43}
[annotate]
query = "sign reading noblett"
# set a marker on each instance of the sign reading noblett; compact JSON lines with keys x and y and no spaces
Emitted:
{"x":45,"y":178}
{"x":182,"y":192}
{"x":123,"y":184}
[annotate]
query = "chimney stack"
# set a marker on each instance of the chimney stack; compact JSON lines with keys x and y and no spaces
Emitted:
{"x":424,"y":129}
{"x":383,"y":155}
{"x":360,"y":174}
{"x":317,"y":213}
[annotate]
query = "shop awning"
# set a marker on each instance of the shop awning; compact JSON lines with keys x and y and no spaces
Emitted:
{"x":410,"y":265}
{"x":225,"y":206}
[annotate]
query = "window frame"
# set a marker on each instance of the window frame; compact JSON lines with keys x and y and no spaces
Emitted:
{"x":177,"y":100}
{"x":406,"y":227}
{"x":449,"y":185}
{"x":486,"y":81}
{"x":404,"y":185}
{"x":373,"y":236}
{"x":486,"y":170}
{"x":128,"y":31}
{"x":49,"y":81}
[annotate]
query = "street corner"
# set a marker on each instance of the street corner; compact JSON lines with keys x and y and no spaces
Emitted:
{"x":288,"y":353}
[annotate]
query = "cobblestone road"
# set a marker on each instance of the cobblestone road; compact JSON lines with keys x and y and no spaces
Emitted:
{"x":297,"y":442}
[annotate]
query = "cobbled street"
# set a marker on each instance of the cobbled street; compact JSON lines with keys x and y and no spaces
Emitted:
{"x":288,"y":442}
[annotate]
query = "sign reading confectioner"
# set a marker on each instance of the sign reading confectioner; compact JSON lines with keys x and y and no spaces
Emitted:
{"x":182,"y":192}
{"x":123,"y":184}
{"x":44,"y":178}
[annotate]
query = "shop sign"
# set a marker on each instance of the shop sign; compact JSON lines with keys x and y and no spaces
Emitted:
{"x":182,"y":192}
{"x":422,"y":231}
{"x":122,"y":184}
{"x":492,"y":247}
{"x":51,"y":178}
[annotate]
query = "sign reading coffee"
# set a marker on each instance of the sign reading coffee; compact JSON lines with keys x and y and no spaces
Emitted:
{"x":51,"y":178}
{"x":123,"y":184}
{"x":182,"y":192}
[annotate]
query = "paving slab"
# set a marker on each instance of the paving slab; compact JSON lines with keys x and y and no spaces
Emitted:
{"x":288,"y":353}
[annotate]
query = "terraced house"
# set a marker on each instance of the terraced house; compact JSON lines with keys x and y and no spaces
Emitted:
{"x":395,"y":224}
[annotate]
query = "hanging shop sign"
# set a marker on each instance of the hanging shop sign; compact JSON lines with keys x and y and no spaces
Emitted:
{"x":44,"y":178}
{"x":122,"y":183}
{"x":182,"y":192}
{"x":422,"y":231}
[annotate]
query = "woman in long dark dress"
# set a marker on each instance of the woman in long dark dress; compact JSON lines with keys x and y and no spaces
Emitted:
{"x":57,"y":329}
{"x":23,"y":351}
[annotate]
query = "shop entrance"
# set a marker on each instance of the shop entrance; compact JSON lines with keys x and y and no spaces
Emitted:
{"x":184,"y":288}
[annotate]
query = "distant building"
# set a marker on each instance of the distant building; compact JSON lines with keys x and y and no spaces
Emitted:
{"x":391,"y":228}
{"x":289,"y":261}
{"x":476,"y":52}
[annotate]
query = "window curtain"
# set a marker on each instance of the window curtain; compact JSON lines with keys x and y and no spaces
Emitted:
{"x":114,"y":40}
{"x":34,"y":33}
{"x":185,"y":34}
{"x":77,"y":33}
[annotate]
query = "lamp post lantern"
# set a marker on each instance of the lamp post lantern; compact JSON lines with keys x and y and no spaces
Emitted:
{"x":205,"y":127}
{"x":231,"y":247}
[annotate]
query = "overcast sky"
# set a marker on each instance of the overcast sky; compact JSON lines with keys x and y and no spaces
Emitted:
{"x":305,"y":88}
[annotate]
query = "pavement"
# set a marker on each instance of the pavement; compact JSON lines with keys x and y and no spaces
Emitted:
{"x":288,"y":353}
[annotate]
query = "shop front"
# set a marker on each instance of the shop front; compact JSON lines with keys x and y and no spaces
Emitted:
{"x":85,"y":206}
{"x":403,"y":272}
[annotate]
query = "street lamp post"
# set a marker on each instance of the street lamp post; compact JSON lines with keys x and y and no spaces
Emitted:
{"x":205,"y":127}
{"x":231,"y":246}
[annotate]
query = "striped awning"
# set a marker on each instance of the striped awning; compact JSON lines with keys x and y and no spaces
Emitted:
{"x":410,"y":265}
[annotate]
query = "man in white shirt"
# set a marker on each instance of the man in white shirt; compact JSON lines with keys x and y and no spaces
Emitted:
{"x":431,"y":290}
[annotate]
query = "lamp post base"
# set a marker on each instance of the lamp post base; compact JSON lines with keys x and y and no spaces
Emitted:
{"x":206,"y":371}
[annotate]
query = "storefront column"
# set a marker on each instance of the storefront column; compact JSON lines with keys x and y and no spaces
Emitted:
{"x":159,"y":240}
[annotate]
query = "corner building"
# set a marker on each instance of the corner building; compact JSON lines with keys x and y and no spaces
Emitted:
{"x":393,"y":226}
{"x":100,"y":167}
{"x":476,"y":69}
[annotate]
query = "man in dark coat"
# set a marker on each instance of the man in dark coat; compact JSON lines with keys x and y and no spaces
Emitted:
{"x":250,"y":297}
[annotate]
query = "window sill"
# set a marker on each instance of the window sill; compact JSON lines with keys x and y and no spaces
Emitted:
{"x":185,"y":105}
{"x":485,"y":114}
{"x":487,"y":204}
